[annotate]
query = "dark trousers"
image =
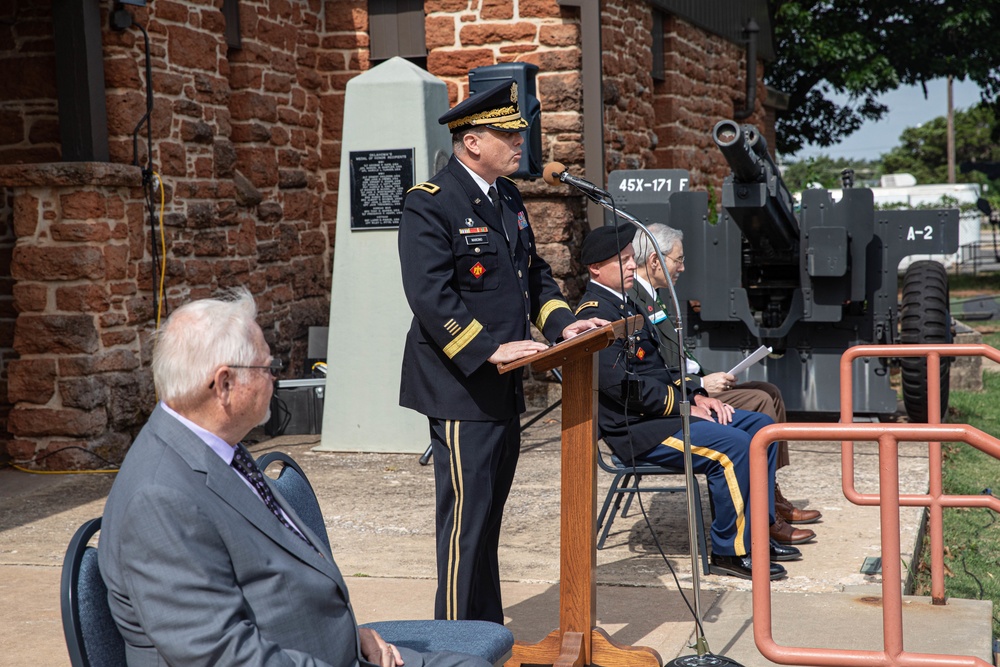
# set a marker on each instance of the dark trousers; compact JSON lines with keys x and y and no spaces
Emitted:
{"x":474,"y":465}
{"x":722,"y":454}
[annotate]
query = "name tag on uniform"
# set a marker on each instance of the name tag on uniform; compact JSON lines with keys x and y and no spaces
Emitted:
{"x":477,"y":240}
{"x":658,"y":317}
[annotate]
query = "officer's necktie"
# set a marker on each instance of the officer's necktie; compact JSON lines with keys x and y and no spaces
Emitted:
{"x":246,"y":466}
{"x":495,"y":198}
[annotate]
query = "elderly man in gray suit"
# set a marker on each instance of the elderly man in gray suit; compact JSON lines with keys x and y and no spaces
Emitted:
{"x":205,"y":562}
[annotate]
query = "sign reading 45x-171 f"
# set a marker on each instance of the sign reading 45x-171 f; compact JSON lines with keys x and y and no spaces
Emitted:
{"x":653,"y":184}
{"x":632,"y":187}
{"x":646,"y":185}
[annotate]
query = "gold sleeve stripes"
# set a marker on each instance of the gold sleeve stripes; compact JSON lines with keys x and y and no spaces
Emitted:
{"x":546,"y":310}
{"x":462,"y":337}
{"x":668,"y":403}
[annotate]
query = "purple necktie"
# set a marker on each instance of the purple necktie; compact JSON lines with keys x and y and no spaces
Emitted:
{"x":246,"y":466}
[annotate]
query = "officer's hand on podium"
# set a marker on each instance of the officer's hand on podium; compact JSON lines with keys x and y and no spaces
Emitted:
{"x":580,"y":326}
{"x":518,"y":349}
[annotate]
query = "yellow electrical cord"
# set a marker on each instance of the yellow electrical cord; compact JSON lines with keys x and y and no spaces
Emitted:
{"x":163,"y":250}
{"x":111,"y":471}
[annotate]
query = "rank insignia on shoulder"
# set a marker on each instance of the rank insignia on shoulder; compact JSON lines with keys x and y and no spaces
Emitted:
{"x":429,"y":188}
{"x":473,"y":230}
{"x":585,"y":305}
{"x":522,"y":221}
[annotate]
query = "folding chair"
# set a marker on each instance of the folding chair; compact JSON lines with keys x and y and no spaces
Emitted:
{"x":490,"y":641}
{"x":294,"y":486}
{"x":626,"y":484}
{"x":92,"y":637}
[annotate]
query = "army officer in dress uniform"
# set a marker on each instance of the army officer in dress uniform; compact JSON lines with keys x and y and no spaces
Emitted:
{"x":475,"y":284}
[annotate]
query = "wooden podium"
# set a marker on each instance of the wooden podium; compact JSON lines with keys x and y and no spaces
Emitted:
{"x":577,"y":641}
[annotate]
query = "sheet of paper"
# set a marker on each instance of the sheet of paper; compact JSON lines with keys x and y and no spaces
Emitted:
{"x":754,"y":357}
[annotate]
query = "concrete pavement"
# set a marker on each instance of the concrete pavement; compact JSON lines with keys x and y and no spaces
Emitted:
{"x":379,"y":515}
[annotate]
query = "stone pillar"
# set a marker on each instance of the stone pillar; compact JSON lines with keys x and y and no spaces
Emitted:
{"x":392,"y":106}
{"x":78,"y":388}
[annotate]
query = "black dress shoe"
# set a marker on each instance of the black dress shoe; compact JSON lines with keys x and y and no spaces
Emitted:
{"x":783,"y":552}
{"x":740,"y":566}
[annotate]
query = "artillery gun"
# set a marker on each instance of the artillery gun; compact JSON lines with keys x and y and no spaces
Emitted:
{"x":808,"y":282}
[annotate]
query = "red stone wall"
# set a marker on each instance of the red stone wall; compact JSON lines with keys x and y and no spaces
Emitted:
{"x":29,"y":124}
{"x":705,"y":83}
{"x":246,"y":144}
{"x":243,"y":149}
{"x":628,"y":85}
{"x":79,"y":385}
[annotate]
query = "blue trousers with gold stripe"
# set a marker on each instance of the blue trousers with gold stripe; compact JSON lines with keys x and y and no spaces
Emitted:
{"x":474,"y":463}
{"x":722,"y":454}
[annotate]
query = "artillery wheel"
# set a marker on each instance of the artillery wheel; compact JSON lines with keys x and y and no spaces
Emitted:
{"x":924,"y":318}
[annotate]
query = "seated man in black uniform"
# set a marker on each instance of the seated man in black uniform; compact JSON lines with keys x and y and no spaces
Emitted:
{"x":650,"y":281}
{"x":639,"y":410}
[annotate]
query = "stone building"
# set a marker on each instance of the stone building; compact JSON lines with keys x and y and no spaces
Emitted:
{"x":231,"y":177}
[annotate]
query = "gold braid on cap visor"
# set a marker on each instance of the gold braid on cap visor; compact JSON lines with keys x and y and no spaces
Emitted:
{"x":503,"y":117}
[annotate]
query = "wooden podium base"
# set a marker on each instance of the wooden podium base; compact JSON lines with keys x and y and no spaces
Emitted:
{"x":569,"y":652}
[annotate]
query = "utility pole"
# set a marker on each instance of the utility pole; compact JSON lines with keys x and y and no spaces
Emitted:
{"x":951,"y":131}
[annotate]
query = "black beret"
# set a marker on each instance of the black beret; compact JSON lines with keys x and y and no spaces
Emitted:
{"x":606,"y":242}
{"x":495,"y":108}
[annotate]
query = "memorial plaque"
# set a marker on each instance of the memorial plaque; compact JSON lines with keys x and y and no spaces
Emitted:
{"x":379,"y":180}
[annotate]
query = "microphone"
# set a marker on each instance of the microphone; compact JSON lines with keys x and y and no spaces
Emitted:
{"x":555,"y":172}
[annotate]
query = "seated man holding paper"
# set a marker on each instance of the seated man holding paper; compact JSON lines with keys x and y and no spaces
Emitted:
{"x":639,"y":410}
{"x":753,"y":396}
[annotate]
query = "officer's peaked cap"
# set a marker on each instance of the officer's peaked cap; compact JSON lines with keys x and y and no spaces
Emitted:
{"x":495,"y":108}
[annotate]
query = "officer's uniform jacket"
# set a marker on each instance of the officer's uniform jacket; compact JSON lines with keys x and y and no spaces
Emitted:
{"x":650,"y":412}
{"x":470,"y":290}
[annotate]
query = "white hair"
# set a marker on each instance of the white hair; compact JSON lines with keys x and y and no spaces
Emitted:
{"x":666,"y":238}
{"x":199,"y":337}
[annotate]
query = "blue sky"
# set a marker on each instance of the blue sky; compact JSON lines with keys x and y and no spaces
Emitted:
{"x":907,"y":108}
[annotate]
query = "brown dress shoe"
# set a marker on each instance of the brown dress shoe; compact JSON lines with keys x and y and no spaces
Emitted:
{"x":784,"y":533}
{"x":784,"y":508}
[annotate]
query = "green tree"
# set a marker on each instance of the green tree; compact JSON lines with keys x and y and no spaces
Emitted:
{"x":864,"y":48}
{"x":827,"y":171}
{"x":923,"y":150}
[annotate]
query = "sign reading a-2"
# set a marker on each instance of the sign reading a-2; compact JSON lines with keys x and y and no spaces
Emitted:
{"x":923,"y":234}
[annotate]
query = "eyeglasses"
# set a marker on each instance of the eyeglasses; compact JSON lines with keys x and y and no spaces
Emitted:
{"x":274,"y":367}
{"x":678,"y":260}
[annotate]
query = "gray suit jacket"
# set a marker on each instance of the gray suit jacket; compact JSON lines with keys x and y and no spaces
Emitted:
{"x":199,"y":572}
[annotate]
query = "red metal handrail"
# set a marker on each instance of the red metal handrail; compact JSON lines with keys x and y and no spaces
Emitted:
{"x":888,"y":437}
{"x":934,"y":499}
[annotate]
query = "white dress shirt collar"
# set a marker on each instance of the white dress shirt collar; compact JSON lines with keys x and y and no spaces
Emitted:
{"x":214,"y":442}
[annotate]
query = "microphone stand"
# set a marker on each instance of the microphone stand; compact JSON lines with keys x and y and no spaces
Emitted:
{"x":704,"y":656}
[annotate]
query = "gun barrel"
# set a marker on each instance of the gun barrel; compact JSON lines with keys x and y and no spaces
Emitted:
{"x":735,"y":145}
